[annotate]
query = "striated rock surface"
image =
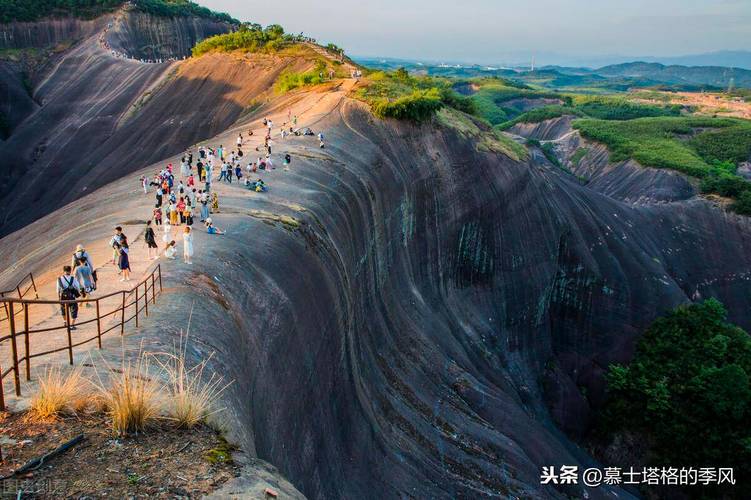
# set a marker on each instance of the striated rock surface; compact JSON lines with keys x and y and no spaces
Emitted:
{"x":93,"y":115}
{"x":143,"y":36}
{"x":406,"y":316}
{"x":402,"y":315}
{"x":48,"y":32}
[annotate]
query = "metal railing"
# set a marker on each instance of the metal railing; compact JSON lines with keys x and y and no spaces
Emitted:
{"x":22,"y":289}
{"x":126,"y":306}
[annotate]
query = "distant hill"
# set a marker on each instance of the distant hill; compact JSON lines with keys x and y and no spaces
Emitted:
{"x":726,"y":58}
{"x":716,"y":76}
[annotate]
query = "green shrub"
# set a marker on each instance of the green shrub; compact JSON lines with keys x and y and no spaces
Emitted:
{"x":653,"y":142}
{"x":686,"y":391}
{"x":541,"y":114}
{"x":417,"y":106}
{"x":493,"y":94}
{"x":402,"y":96}
{"x":179,"y":8}
{"x":249,"y":37}
{"x":619,"y":108}
{"x":291,"y":80}
{"x":576,"y":158}
{"x":731,"y":144}
{"x":724,"y":184}
{"x":457,"y":101}
{"x":743,"y":204}
{"x":31,"y":10}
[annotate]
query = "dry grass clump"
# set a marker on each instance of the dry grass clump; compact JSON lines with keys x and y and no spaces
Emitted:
{"x":132,"y":398}
{"x":181,"y":393}
{"x":193,"y":397}
{"x":60,"y":392}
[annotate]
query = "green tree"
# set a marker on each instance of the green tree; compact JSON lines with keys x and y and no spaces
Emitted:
{"x":687,"y":391}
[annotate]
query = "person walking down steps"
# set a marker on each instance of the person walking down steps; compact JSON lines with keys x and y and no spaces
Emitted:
{"x":68,"y":288}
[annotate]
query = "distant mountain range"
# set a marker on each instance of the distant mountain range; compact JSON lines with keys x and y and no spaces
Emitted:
{"x":613,"y":77}
{"x":725,"y":58}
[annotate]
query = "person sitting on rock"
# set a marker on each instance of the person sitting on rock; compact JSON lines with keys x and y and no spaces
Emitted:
{"x":211,"y":229}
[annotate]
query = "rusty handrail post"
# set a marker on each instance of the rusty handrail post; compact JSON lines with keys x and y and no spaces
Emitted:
{"x":2,"y":390}
{"x":26,"y":340}
{"x":98,"y":325}
{"x":2,"y":385}
{"x":122,"y":317}
{"x":146,"y":296}
{"x":70,"y":338}
{"x":153,"y":288}
{"x":137,"y":307}
{"x":36,"y":292}
{"x":14,"y":348}
{"x":159,"y":268}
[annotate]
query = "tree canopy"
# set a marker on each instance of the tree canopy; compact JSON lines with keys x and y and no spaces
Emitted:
{"x":687,"y":390}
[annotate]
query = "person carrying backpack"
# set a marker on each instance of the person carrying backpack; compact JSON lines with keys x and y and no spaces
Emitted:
{"x":68,"y":289}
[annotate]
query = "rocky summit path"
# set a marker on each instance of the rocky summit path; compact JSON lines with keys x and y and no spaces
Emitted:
{"x":309,"y":107}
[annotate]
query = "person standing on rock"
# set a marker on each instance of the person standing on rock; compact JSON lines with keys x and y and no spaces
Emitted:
{"x":68,"y":289}
{"x":240,"y":140}
{"x":181,"y":210}
{"x":167,"y":232}
{"x":173,"y":214}
{"x":79,"y":254}
{"x":214,"y":203}
{"x":187,"y":246}
{"x":124,"y":262}
{"x":204,"y":201}
{"x":83,"y":274}
{"x":150,"y":238}
{"x":115,"y":242}
{"x":199,"y":169}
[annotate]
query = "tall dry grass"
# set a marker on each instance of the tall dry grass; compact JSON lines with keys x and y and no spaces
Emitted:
{"x":133,"y":399}
{"x":60,"y":391}
{"x":193,"y":395}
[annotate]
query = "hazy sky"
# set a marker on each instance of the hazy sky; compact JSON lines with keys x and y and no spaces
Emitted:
{"x":498,"y":31}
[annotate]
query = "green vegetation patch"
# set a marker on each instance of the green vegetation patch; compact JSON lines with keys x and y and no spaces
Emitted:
{"x":541,"y":114}
{"x":404,"y":97}
{"x":32,"y":10}
{"x":687,"y":391}
{"x":181,"y":8}
{"x":487,"y":140}
{"x":578,"y":155}
{"x":222,"y":453}
{"x":654,"y":142}
{"x":730,"y":144}
{"x":494,"y":93}
{"x":291,"y":80}
{"x":620,"y":108}
{"x":668,"y":142}
{"x":249,"y":38}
